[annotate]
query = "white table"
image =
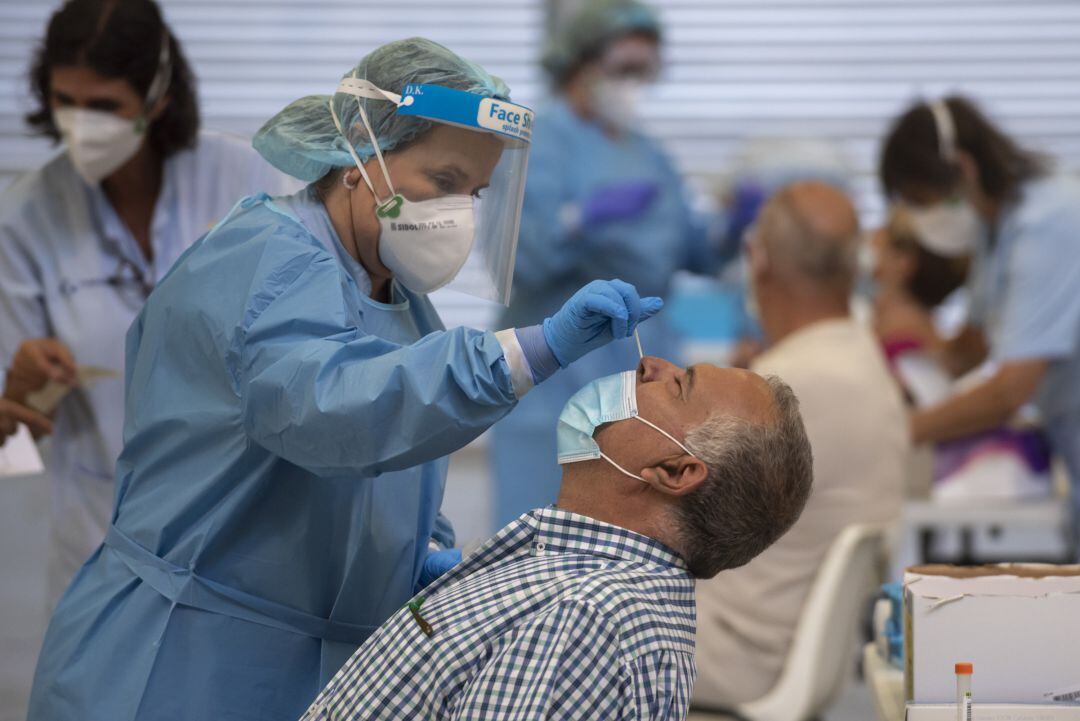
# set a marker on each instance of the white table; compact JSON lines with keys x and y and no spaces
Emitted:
{"x":1006,"y":530}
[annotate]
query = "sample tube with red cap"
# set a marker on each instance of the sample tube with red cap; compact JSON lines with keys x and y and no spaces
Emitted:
{"x":963,"y":691}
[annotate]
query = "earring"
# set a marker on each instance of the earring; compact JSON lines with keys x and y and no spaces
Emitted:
{"x":346,"y":183}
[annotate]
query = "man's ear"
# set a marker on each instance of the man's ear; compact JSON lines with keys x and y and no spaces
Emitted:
{"x":757,"y":258}
{"x":677,"y":477}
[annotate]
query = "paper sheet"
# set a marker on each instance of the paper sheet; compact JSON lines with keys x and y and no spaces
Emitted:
{"x":19,"y":455}
{"x":48,"y":398}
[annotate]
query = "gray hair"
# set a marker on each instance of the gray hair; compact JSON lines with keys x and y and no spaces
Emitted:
{"x":760,"y":476}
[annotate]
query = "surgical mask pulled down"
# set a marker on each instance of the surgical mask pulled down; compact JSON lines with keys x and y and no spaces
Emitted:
{"x":605,"y":400}
{"x":423,"y":243}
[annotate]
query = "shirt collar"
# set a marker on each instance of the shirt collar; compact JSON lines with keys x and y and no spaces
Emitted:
{"x":116,"y":235}
{"x":562,"y":531}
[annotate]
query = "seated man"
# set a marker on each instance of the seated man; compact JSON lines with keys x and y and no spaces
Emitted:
{"x":801,"y":261}
{"x":585,"y":610}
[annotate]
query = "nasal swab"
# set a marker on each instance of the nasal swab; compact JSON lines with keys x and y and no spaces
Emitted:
{"x":638,"y":339}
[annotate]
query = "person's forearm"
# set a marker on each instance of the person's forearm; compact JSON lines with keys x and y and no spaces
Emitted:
{"x":963,"y":353}
{"x":977,"y":410}
{"x":981,"y":408}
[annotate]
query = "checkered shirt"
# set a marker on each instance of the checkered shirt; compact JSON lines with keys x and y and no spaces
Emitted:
{"x":558,"y":616}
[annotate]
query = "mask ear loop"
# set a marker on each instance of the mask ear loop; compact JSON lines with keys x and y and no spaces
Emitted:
{"x":159,"y":85}
{"x":355,"y":156}
{"x":621,"y":469}
{"x":378,"y":152}
{"x":656,"y":428}
{"x":672,"y":438}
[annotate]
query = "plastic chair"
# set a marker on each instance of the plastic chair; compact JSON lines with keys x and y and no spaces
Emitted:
{"x":819,"y":662}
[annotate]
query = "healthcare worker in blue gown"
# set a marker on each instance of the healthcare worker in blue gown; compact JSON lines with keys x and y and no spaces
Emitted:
{"x":85,"y":237}
{"x":292,"y":397}
{"x":969,"y":187}
{"x":603,"y":200}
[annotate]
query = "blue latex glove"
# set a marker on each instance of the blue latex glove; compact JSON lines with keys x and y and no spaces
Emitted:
{"x":602,"y":311}
{"x":623,"y":201}
{"x":436,"y":564}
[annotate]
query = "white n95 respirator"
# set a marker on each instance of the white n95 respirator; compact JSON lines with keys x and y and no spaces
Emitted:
{"x":426,"y":243}
{"x":98,"y":142}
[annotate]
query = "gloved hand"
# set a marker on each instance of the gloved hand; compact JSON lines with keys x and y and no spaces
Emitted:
{"x":436,"y":564}
{"x":623,"y":201}
{"x":602,"y":311}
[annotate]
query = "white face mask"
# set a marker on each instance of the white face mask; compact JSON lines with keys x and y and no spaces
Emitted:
{"x":951,"y":229}
{"x":98,"y":142}
{"x":423,"y":243}
{"x":618,"y":102}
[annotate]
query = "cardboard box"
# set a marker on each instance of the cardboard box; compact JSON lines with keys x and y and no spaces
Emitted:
{"x":1019,"y":624}
{"x":994,"y":712}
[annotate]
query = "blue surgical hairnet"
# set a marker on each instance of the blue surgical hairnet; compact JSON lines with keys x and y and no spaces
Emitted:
{"x":302,"y":140}
{"x":594,"y":26}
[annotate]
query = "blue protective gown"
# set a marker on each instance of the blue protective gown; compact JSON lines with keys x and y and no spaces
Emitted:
{"x":1026,"y":297}
{"x":281,"y":477}
{"x":570,"y":160}
{"x":68,"y":270}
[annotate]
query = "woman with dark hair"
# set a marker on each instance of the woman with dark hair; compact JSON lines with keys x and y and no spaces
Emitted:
{"x":968,"y":187}
{"x":84,"y":238}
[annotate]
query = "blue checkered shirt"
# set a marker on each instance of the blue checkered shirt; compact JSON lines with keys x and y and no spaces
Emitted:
{"x":558,"y":616}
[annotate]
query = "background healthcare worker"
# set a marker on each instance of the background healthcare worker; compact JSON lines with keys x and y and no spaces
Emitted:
{"x":293,"y":396}
{"x":84,"y":238}
{"x":966,"y":185}
{"x":603,"y":200}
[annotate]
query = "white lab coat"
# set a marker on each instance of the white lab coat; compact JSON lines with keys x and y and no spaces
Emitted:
{"x":70,"y":269}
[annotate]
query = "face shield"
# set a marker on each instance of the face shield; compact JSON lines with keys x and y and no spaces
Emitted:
{"x":489,"y":268}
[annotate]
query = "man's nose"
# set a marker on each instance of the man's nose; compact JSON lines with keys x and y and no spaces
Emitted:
{"x":653,"y":369}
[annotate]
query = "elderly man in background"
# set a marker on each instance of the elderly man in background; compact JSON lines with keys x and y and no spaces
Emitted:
{"x":585,"y":610}
{"x":801,"y":265}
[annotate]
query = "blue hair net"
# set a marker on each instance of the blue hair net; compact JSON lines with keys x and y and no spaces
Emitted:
{"x":303,"y":141}
{"x":594,"y":26}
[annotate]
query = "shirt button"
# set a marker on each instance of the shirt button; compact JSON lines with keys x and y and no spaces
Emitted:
{"x":540,"y":546}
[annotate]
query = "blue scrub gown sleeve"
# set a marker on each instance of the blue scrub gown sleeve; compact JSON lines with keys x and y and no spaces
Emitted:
{"x":320,"y":393}
{"x":1040,"y":316}
{"x":22,"y":310}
